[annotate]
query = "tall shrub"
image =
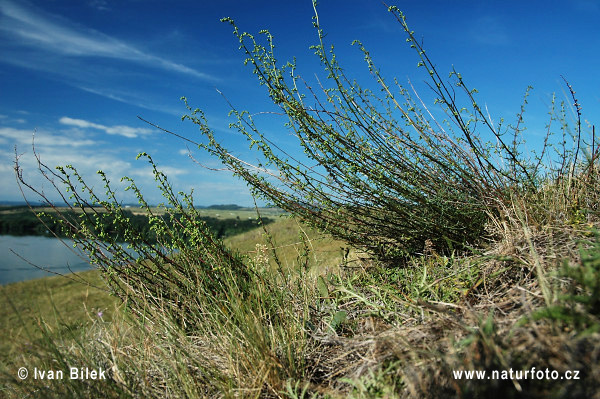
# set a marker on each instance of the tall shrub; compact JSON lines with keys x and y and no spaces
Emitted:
{"x":389,"y":177}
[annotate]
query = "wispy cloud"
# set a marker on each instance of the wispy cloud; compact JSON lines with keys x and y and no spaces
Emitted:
{"x":120,"y":130}
{"x":6,"y":119}
{"x":131,"y":98}
{"x":61,"y":147}
{"x":101,"y":5}
{"x":54,"y":148}
{"x":28,"y":26}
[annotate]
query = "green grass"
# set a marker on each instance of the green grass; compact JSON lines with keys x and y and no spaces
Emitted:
{"x":60,"y":302}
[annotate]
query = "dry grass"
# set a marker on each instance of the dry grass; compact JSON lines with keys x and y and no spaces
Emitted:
{"x":291,"y":240}
{"x":62,"y":303}
{"x":343,"y":326}
{"x":414,"y":353}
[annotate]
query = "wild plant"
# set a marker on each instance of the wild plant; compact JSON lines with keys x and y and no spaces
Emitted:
{"x":380,"y":171}
{"x":181,"y":260}
{"x":578,"y":307}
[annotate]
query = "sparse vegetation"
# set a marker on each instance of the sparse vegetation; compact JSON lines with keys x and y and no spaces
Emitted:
{"x":458,"y":253}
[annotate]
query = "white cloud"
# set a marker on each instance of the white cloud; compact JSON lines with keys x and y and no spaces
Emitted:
{"x":120,"y":130}
{"x":12,"y":136}
{"x":54,"y":148}
{"x":33,"y":28}
{"x":7,"y":119}
{"x":72,"y":146}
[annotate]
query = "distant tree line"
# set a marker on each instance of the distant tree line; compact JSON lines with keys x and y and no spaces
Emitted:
{"x":24,"y":222}
{"x":226,"y":207}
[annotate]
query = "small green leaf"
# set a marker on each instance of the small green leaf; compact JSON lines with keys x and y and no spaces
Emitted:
{"x":338,"y":318}
{"x":322,"y":287}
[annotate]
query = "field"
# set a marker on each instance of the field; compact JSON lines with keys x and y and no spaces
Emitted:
{"x":62,"y":305}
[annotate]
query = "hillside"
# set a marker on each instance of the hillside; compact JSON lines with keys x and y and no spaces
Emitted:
{"x":373,"y":332}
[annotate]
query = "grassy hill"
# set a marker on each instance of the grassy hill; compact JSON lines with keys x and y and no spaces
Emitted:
{"x":61,"y":304}
{"x":368,"y":332}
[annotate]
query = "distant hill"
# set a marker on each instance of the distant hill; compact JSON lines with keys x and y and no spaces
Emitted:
{"x":227,"y":207}
{"x":17,"y":203}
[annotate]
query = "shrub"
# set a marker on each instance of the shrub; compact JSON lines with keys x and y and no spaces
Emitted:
{"x":389,"y":176}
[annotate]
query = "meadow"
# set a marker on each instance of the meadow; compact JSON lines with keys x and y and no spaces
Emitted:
{"x":414,"y":252}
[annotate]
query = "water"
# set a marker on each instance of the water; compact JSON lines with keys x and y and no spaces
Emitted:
{"x":49,"y":253}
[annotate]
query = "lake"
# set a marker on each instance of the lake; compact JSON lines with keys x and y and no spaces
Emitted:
{"x":46,"y":252}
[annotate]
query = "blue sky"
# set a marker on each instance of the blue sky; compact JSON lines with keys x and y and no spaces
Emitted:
{"x":78,"y":73}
